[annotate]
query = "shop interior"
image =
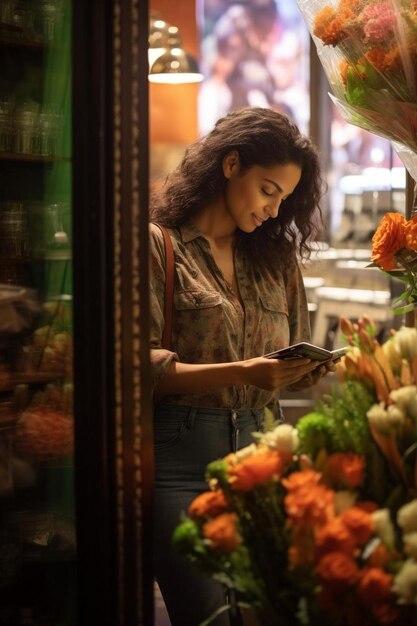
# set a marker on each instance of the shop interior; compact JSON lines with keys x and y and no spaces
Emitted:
{"x":222,"y":54}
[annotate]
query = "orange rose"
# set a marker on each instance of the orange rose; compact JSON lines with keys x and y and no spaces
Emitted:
{"x":387,"y":614}
{"x":338,"y":571}
{"x":379,"y":556}
{"x":311,"y":505}
{"x":334,"y":536}
{"x":387,"y":240}
{"x":209,"y":503}
{"x":345,"y":469}
{"x":298,"y":480}
{"x":222,"y":533}
{"x":411,"y":233}
{"x":359,"y":523}
{"x":257,"y":469}
{"x":375,"y":586}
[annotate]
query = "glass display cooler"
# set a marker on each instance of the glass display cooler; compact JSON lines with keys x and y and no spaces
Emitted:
{"x":75,"y":453}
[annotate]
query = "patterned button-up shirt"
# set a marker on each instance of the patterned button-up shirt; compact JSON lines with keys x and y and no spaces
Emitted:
{"x":212,"y":325}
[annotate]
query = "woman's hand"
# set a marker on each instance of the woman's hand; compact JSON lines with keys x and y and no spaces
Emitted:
{"x":312,"y":378}
{"x":272,"y":374}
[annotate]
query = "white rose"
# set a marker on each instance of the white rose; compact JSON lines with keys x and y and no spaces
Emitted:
{"x":392,"y":353}
{"x":244,"y":453}
{"x":407,"y":517}
{"x":395,"y":416}
{"x":405,"y":340}
{"x":283,"y":438}
{"x":378,"y":417}
{"x":384,"y":527}
{"x":405,"y":583}
{"x":410,"y":544}
{"x":406,"y":398}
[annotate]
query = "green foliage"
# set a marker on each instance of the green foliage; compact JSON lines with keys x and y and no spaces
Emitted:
{"x":339,"y":423}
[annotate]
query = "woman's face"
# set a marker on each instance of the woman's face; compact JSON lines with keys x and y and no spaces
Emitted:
{"x":255,"y":195}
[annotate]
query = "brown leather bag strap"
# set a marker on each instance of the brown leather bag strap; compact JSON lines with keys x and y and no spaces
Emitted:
{"x":169,"y":288}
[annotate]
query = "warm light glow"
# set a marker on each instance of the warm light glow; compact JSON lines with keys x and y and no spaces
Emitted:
{"x":175,"y":79}
{"x":154,"y":53}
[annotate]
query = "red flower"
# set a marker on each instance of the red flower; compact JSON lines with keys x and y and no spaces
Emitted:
{"x":375,"y":586}
{"x":338,"y":571}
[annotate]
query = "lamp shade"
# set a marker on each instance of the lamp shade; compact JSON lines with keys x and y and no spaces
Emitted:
{"x":175,"y":66}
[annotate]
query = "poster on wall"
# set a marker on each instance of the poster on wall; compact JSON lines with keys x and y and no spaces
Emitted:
{"x":254,"y":53}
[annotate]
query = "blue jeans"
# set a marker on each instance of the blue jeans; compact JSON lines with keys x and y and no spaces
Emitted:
{"x":186,"y":439}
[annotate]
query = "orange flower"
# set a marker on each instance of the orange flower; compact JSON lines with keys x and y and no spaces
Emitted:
{"x":411,"y":233}
{"x":388,"y":239}
{"x":209,"y":503}
{"x":360,"y":523}
{"x":257,"y":469}
{"x":338,"y":571}
{"x":387,"y":614}
{"x":379,"y":556}
{"x":366,"y":505}
{"x":334,"y":536}
{"x":345,"y":469}
{"x":222,"y":533}
{"x":375,"y":586}
{"x":312,"y":505}
{"x":298,"y":480}
{"x":378,"y":58}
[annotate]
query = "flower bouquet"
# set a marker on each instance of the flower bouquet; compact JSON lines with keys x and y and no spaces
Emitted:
{"x":394,"y":250}
{"x":368,"y":49}
{"x":318,"y":523}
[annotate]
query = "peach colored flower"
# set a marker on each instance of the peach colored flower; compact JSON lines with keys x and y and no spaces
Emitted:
{"x":257,"y":469}
{"x":334,"y":536}
{"x":360,"y":524}
{"x":388,"y":239}
{"x":345,"y":469}
{"x":222,"y":533}
{"x":209,"y":503}
{"x":374,"y":586}
{"x":338,"y":571}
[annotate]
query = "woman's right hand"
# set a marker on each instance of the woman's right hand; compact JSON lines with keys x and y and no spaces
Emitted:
{"x":272,"y":374}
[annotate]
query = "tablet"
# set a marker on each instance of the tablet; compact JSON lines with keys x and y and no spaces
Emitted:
{"x":304,"y":350}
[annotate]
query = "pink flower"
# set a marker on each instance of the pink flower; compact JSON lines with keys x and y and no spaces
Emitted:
{"x":379,"y":21}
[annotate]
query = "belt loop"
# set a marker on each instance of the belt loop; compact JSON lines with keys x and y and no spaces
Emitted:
{"x":259,"y":418}
{"x":191,"y":418}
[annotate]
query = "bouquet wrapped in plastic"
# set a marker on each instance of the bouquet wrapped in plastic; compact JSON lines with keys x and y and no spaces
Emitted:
{"x":368,"y":49}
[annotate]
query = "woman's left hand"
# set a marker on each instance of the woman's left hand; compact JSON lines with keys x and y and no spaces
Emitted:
{"x":312,"y":378}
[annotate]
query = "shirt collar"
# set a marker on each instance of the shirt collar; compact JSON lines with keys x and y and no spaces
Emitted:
{"x":190,"y":231}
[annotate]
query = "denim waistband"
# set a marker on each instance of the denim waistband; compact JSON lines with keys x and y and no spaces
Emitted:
{"x":190,"y":416}
{"x":182,"y":409}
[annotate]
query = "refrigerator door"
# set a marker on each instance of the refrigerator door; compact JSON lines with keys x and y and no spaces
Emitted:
{"x":38,"y":555}
{"x":75,"y":410}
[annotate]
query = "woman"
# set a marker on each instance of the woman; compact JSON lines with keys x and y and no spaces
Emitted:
{"x":239,"y":207}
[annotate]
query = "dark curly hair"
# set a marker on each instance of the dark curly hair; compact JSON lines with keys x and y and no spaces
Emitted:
{"x":261,"y":137}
